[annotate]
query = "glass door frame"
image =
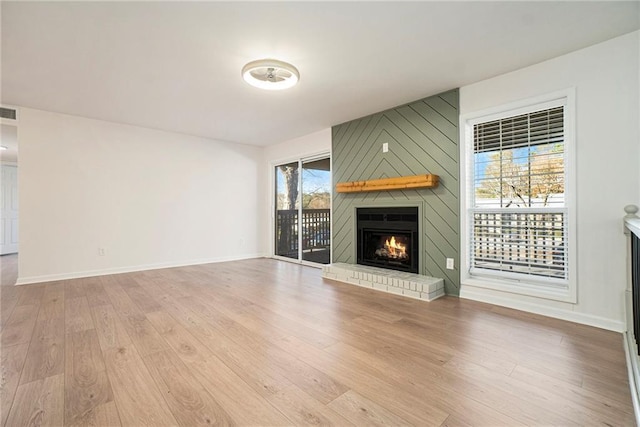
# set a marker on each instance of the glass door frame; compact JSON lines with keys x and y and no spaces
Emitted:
{"x":274,"y":192}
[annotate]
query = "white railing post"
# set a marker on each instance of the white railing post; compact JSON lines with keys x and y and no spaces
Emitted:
{"x":631,"y":224}
{"x":631,"y":211}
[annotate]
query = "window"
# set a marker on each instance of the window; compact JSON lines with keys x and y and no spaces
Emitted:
{"x":518,"y":217}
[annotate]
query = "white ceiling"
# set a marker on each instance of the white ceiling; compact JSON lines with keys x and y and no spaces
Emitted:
{"x":176,"y":65}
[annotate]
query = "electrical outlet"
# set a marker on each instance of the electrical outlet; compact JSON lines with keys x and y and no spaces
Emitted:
{"x":101,"y":251}
{"x":385,"y":147}
{"x":450,"y":264}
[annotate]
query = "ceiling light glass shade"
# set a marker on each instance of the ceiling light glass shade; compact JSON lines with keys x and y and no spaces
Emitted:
{"x":270,"y":74}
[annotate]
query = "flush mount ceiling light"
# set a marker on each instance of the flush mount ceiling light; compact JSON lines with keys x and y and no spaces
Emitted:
{"x":270,"y":74}
{"x":2,"y":147}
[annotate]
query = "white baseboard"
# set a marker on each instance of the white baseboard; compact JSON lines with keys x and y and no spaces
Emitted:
{"x":128,"y":269}
{"x":633,"y":370}
{"x":558,"y":313}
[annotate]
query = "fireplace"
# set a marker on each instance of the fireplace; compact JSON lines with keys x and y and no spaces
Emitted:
{"x":388,"y":238}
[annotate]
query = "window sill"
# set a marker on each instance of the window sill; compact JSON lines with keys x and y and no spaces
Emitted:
{"x":523,"y":288}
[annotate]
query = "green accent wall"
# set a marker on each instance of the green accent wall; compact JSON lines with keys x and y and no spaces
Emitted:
{"x":423,"y":138}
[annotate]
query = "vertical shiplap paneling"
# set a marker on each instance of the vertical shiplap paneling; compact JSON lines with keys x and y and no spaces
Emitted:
{"x":423,"y":138}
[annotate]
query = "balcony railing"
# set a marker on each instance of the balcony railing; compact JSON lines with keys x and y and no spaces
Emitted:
{"x":529,"y":241}
{"x":632,"y":335}
{"x":316,"y":230}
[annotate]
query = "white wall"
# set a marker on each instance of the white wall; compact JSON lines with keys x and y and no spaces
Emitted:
{"x":291,"y":150}
{"x":150,"y":198}
{"x":308,"y":145}
{"x":608,"y":148}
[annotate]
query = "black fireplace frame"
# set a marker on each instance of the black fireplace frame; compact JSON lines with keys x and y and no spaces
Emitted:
{"x":403,"y":219}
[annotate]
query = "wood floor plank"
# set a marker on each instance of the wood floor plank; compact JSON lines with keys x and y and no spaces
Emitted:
{"x":181,"y":311}
{"x":235,"y":308}
{"x":31,"y":294}
{"x":420,"y":380}
{"x":616,"y":390}
{"x":146,"y":282}
{"x":189,"y":402}
{"x":8,"y":301}
{"x":312,"y":381}
{"x":76,"y":288}
{"x":219,"y":380}
{"x":453,"y":421}
{"x":307,"y":378}
{"x":52,"y":302}
{"x":46,"y":351}
{"x":120,"y":300}
{"x":96,"y":295}
{"x":39,"y":403}
{"x":443,"y":343}
{"x":20,"y":325}
{"x":380,"y":386}
{"x":105,"y":415}
{"x":495,"y":390}
{"x":264,"y":375}
{"x":86,"y":382}
{"x":11,"y":362}
{"x":589,"y":401}
{"x":144,"y":337}
{"x":362,"y":411}
{"x":77,"y":314}
{"x":110,"y":330}
{"x":24,"y":313}
{"x":9,"y":294}
{"x":303,"y":409}
{"x":145,"y":302}
{"x":142,"y":334}
{"x":139,"y":401}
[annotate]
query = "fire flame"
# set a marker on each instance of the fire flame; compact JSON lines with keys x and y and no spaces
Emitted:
{"x":395,"y":249}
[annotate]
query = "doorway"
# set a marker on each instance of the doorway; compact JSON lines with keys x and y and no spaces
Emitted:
{"x":303,"y":210}
{"x":8,"y":190}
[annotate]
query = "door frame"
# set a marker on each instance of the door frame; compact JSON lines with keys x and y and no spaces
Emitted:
{"x":272,"y":194}
{"x":15,"y":124}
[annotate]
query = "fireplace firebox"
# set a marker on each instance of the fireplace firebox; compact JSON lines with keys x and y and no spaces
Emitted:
{"x":387,"y":237}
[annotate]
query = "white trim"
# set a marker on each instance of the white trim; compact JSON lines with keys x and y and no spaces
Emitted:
{"x":331,"y":207}
{"x":523,"y":106}
{"x":633,"y":371}
{"x":529,"y":288}
{"x":130,"y":269}
{"x":315,"y":155}
{"x":475,"y":294}
{"x":296,"y":261}
{"x":633,"y":224}
{"x":566,"y":98}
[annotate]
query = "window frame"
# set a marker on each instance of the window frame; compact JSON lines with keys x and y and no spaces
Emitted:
{"x":300,"y":160}
{"x":512,"y":283}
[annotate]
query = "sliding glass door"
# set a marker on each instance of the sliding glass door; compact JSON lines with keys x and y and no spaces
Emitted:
{"x":303,"y":210}
{"x":287,"y":207}
{"x":316,"y":211}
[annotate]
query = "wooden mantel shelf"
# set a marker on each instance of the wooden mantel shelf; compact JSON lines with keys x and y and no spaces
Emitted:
{"x":385,"y":184}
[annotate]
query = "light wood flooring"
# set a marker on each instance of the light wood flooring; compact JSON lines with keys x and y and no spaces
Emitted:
{"x":264,"y":342}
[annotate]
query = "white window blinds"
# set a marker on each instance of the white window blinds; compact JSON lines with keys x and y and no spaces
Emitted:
{"x":518,"y":215}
